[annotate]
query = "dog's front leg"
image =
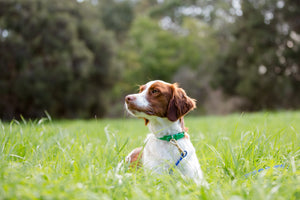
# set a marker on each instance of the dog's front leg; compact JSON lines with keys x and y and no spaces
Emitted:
{"x":134,"y":159}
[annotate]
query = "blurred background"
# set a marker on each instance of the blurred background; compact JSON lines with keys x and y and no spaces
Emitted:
{"x":78,"y":59}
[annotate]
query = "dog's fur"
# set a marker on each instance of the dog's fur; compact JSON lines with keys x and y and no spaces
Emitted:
{"x":163,"y":106}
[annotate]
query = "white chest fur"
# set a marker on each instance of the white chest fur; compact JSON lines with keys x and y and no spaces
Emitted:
{"x":160,"y":156}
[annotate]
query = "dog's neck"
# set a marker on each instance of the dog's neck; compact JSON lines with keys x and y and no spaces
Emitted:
{"x":162,"y":126}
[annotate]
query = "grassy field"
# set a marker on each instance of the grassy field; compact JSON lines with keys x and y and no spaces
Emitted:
{"x":78,"y":159}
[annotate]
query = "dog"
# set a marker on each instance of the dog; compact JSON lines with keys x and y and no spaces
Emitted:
{"x":168,"y":147}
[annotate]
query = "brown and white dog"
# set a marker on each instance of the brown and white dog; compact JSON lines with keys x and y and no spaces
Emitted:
{"x":163,"y":106}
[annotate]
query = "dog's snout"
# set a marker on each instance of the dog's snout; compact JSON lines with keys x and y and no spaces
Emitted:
{"x":129,"y":98}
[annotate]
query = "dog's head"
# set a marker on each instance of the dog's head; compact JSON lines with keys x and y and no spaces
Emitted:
{"x":159,"y":99}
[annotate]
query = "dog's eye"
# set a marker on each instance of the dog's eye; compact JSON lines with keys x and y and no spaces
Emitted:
{"x":154,"y":91}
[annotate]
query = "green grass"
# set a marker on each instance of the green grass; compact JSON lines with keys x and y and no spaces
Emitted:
{"x":78,"y":159}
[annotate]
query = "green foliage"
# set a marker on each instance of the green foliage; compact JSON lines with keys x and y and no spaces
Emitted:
{"x":79,"y":159}
{"x":152,"y":52}
{"x":155,"y":53}
{"x":200,"y":45}
{"x":117,"y":16}
{"x":259,"y":64}
{"x":57,"y":57}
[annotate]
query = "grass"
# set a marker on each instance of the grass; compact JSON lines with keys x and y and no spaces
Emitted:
{"x":79,"y":159}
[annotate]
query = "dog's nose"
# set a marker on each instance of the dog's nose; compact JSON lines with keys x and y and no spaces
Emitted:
{"x":129,"y":98}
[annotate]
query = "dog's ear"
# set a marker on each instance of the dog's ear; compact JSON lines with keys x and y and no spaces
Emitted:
{"x":179,"y":104}
{"x":146,"y":121}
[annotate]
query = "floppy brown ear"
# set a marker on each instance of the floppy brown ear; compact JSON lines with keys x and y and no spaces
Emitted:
{"x":179,"y":104}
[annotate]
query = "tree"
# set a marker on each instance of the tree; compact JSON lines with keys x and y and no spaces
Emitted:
{"x":55,"y":56}
{"x":260,"y":65}
{"x":151,"y":52}
{"x":117,"y":16}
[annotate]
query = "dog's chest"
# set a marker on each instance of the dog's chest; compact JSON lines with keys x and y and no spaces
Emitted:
{"x":164,"y":154}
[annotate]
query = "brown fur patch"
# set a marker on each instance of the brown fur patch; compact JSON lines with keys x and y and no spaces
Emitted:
{"x":136,"y":158}
{"x":159,"y":95}
{"x":180,"y":104}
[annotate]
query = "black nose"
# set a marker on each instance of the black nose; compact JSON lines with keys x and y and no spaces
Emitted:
{"x":129,"y":98}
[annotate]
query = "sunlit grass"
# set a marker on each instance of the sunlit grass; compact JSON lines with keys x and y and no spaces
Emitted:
{"x":79,"y":159}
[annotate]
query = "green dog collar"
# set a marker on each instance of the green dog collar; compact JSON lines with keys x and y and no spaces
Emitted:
{"x":175,"y":137}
